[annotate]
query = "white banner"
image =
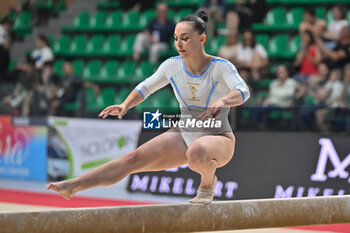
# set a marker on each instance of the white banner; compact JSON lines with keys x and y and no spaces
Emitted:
{"x":89,"y":143}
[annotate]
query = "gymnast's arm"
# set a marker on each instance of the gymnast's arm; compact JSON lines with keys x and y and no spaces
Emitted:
{"x":140,"y":93}
{"x":238,"y":95}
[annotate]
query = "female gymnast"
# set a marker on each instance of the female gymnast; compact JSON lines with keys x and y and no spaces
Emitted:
{"x":205,"y":86}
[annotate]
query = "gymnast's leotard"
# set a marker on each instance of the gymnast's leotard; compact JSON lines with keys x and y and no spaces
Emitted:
{"x":196,"y":93}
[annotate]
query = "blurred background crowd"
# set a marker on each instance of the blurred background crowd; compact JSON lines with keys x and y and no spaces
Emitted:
{"x":293,"y":54}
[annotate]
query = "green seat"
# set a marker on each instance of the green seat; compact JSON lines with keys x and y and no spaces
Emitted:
{"x":61,"y":46}
{"x":108,"y":5}
{"x":143,"y":71}
{"x":82,"y":21}
{"x":163,"y":98}
{"x":146,"y":17}
{"x":320,"y":12}
{"x":22,"y":24}
{"x":295,"y":17}
{"x":108,"y":72}
{"x":182,"y":13}
{"x":93,"y":103}
{"x":113,"y":21}
{"x":185,"y":3}
{"x":131,"y":21}
{"x":78,"y":45}
{"x":278,"y":46}
{"x":111,"y":45}
{"x":171,"y":14}
{"x":92,"y":70}
{"x":78,"y":66}
{"x":58,"y":67}
{"x":215,"y":44}
{"x":126,"y":46}
{"x":125,"y":72}
{"x":108,"y":96}
{"x":98,"y":21}
{"x":94,"y":46}
{"x":275,"y":19}
{"x":121,"y":95}
{"x":294,"y":46}
{"x":348,"y":15}
{"x":262,"y":39}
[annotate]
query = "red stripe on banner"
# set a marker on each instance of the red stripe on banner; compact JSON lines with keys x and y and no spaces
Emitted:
{"x":54,"y":200}
{"x":340,"y":228}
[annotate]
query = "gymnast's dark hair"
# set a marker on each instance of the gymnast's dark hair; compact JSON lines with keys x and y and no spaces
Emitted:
{"x":199,"y":20}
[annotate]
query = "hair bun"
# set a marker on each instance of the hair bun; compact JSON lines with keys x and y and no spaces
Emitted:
{"x":203,"y":15}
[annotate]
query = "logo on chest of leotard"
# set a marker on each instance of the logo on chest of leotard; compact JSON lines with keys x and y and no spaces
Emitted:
{"x":193,"y":91}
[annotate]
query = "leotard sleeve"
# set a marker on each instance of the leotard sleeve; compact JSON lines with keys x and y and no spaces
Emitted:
{"x":233,"y":80}
{"x":154,"y":82}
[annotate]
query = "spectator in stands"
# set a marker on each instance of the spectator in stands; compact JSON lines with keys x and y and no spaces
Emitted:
{"x":332,"y":34}
{"x":43,"y":53}
{"x":5,"y":29}
{"x":215,"y":9}
{"x":230,"y":49}
{"x":344,"y":101}
{"x":245,"y":13}
{"x":308,"y":57}
{"x":156,"y":37}
{"x":281,"y":95}
{"x":20,"y":101}
{"x":311,"y":23}
{"x":46,"y":89}
{"x":251,"y":57}
{"x":340,"y":55}
{"x":71,"y":90}
{"x":331,"y":96}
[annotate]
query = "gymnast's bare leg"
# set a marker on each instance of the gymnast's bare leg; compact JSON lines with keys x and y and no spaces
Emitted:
{"x":165,"y":151}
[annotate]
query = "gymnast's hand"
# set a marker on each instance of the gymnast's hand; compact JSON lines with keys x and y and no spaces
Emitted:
{"x":212,"y":111}
{"x":114,"y":110}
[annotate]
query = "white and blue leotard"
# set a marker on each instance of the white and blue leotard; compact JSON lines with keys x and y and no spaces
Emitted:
{"x":196,"y":93}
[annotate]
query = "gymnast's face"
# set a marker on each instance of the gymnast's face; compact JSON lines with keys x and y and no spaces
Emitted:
{"x":188,"y":41}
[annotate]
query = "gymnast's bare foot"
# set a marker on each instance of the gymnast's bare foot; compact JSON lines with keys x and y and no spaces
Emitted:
{"x":63,"y":188}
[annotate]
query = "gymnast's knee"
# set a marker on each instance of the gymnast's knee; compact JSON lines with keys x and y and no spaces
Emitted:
{"x":131,"y":160}
{"x":197,"y":156}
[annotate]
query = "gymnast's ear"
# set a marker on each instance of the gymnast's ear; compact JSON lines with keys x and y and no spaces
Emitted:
{"x":203,"y":39}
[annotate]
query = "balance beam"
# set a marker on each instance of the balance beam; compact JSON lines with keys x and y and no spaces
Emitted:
{"x":224,"y":215}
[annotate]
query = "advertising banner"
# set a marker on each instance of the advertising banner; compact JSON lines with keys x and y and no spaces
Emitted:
{"x":76,"y":146}
{"x":265,"y":165}
{"x":22,"y":150}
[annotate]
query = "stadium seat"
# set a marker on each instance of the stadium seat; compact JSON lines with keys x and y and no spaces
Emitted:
{"x":185,"y":3}
{"x":61,"y":46}
{"x":58,"y":67}
{"x":108,"y":72}
{"x":121,"y":95}
{"x":278,"y":46}
{"x":108,"y":95}
{"x":98,"y":21}
{"x":125,"y":72}
{"x":348,"y":15}
{"x":94,"y":45}
{"x":171,"y":14}
{"x":111,"y":45}
{"x":294,"y":46}
{"x":81,"y":23}
{"x":146,"y":17}
{"x":93,"y":102}
{"x":143,"y":71}
{"x":78,"y":66}
{"x":107,"y":5}
{"x":294,"y":17}
{"x":22,"y":24}
{"x":92,"y":70}
{"x":215,"y":44}
{"x":320,"y":12}
{"x":181,"y":13}
{"x":262,"y":39}
{"x":113,"y":21}
{"x":275,"y":19}
{"x":126,"y":46}
{"x":131,"y":21}
{"x":78,"y":45}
